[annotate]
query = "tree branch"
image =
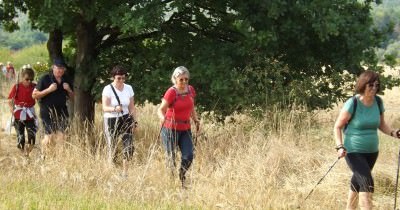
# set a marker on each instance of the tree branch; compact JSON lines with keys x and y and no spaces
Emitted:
{"x":197,"y":3}
{"x":115,"y":33}
{"x":223,"y":36}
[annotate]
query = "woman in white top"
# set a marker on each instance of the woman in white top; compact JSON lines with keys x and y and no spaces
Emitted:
{"x":119,"y":116}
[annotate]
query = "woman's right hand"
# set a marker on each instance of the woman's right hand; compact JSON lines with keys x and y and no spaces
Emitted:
{"x":341,"y":152}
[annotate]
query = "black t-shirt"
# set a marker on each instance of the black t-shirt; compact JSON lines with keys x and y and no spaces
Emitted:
{"x":55,"y":100}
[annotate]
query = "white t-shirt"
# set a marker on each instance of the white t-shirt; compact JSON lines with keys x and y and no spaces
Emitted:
{"x":124,"y":97}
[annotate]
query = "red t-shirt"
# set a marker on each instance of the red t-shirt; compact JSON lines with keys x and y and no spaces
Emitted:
{"x":10,"y":72}
{"x":23,"y":97}
{"x":181,"y":107}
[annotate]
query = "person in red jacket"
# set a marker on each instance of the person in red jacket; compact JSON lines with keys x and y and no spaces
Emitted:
{"x":176,"y":109}
{"x":21,"y":106}
{"x":10,"y":71}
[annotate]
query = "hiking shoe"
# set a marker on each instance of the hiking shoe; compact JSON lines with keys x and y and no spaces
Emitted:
{"x":20,"y":147}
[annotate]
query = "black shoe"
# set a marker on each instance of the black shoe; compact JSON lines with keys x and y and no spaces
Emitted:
{"x":20,"y":147}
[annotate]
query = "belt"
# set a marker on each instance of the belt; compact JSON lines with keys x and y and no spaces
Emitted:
{"x":178,"y":121}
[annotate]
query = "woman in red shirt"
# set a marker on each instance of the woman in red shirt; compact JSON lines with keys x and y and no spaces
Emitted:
{"x":10,"y":72}
{"x":21,"y":106}
{"x":176,"y":109}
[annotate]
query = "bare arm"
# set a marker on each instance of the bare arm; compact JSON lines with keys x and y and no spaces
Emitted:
{"x":37,"y":94}
{"x":10,"y":105}
{"x":106,"y":104}
{"x":131,"y":107}
{"x":195,"y":118}
{"x":11,"y":101}
{"x":194,"y":115}
{"x":385,"y":128}
{"x":341,"y":121}
{"x":162,"y":109}
{"x":69,"y":91}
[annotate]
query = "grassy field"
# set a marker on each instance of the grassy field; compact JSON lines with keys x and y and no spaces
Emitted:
{"x":242,"y":164}
{"x":29,"y":55}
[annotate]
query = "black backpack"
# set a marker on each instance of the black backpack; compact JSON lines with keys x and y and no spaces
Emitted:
{"x":354,"y":98}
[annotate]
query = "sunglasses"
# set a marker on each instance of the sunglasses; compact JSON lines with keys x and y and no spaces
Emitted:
{"x":28,"y":79}
{"x":183,"y":79}
{"x":371,"y":85}
{"x":120,"y":78}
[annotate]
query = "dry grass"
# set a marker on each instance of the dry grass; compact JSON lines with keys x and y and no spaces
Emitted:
{"x":243,"y":164}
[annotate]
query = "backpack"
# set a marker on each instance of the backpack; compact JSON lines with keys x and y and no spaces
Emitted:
{"x":189,"y":93}
{"x":354,"y":98}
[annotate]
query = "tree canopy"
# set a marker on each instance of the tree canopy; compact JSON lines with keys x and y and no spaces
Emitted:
{"x":241,"y":54}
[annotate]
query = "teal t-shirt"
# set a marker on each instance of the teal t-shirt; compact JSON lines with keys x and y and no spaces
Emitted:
{"x":361,"y":135}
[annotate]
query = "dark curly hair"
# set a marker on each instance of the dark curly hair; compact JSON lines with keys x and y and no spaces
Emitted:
{"x":118,"y":70}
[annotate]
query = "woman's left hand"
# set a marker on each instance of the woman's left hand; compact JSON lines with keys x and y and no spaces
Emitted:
{"x":395,"y":133}
{"x":197,"y":123}
{"x":134,"y":127}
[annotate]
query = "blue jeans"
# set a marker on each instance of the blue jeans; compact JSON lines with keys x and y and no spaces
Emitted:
{"x":183,"y":139}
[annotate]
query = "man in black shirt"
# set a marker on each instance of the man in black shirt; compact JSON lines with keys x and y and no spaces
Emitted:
{"x":52,"y":91}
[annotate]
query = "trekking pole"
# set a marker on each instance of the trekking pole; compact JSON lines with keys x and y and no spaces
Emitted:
{"x":195,"y":139}
{"x":13,"y":104}
{"x":159,"y":132}
{"x":196,"y":134}
{"x":397,"y":182}
{"x":330,"y":168}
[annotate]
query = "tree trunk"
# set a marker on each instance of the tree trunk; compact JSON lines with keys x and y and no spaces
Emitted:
{"x":84,"y":78}
{"x":54,"y":44}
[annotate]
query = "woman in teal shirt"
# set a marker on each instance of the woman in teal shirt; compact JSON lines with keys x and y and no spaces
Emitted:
{"x":359,"y":119}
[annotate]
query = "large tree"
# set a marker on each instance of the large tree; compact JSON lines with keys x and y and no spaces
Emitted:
{"x":241,"y":53}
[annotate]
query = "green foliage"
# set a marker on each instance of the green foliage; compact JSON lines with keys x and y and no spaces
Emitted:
{"x":31,"y":55}
{"x":24,"y":37}
{"x":241,"y":54}
{"x":40,"y":69}
{"x":387,"y":15}
{"x":4,"y":55}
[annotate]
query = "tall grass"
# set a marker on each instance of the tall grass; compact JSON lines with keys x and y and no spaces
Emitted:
{"x":271,"y":163}
{"x":244,"y":163}
{"x":5,"y":55}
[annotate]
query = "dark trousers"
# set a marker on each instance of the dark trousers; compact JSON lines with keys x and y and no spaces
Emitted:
{"x":30,"y":127}
{"x":54,"y":119}
{"x":182,"y":139}
{"x":119,"y":127}
{"x":361,"y":164}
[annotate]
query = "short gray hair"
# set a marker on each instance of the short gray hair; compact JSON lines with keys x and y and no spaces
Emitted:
{"x":179,"y":71}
